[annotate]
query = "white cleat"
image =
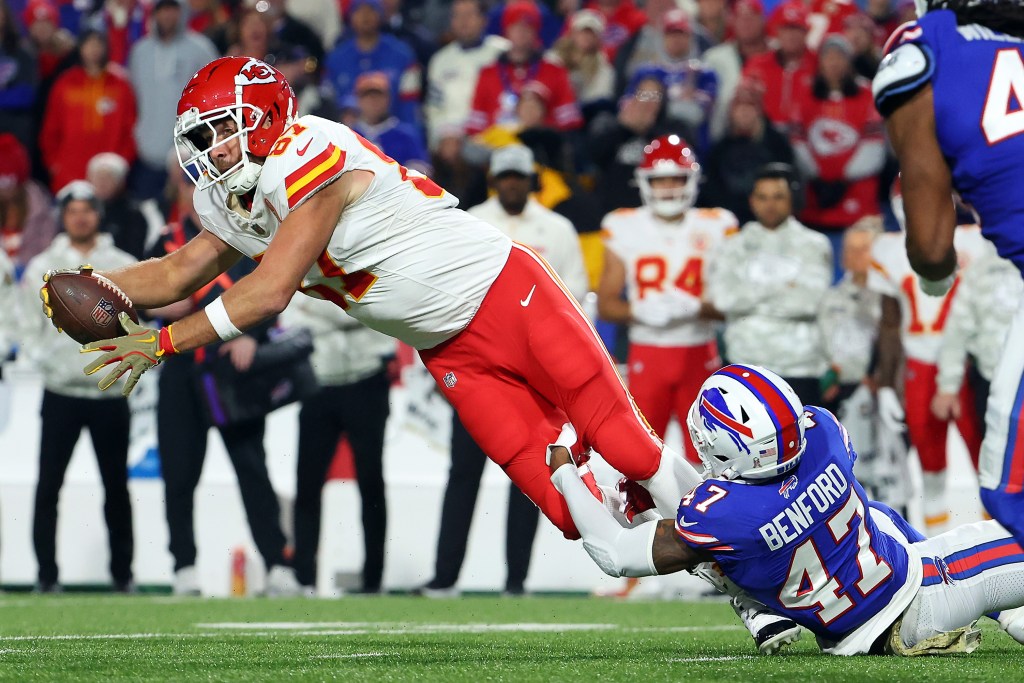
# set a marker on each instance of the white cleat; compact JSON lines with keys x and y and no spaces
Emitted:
{"x":186,"y":582}
{"x":281,"y":583}
{"x":770,"y":631}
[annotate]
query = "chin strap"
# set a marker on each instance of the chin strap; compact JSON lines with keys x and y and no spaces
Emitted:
{"x":244,"y":179}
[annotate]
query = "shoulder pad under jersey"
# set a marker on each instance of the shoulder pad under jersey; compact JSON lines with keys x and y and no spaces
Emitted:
{"x":906,"y":68}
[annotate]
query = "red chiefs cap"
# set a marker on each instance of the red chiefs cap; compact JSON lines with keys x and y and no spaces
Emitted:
{"x":792,"y":13}
{"x":520,"y":11}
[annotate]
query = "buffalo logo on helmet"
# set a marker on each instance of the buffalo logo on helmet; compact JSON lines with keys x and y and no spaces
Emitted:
{"x":716,"y":415}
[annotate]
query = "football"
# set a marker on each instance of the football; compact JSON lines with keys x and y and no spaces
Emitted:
{"x":86,"y":305}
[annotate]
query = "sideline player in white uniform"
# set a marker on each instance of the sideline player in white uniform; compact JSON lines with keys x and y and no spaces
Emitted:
{"x":658,"y":253}
{"x":785,"y":518}
{"x":921,"y":320}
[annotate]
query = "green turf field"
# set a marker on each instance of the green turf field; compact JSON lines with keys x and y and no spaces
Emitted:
{"x":97,"y":638}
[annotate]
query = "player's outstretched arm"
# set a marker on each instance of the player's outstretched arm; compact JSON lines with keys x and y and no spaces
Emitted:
{"x":649,"y":549}
{"x":927,"y":187}
{"x":261,"y":294}
{"x":265,"y":292}
{"x":161,"y":281}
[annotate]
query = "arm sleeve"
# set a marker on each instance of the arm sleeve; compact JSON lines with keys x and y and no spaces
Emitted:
{"x":617,"y":551}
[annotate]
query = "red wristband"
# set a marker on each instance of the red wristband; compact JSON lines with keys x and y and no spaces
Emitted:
{"x":166,"y":343}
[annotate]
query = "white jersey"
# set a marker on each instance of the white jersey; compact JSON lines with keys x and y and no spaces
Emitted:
{"x":922,"y":317}
{"x":658,"y":254}
{"x":402,"y":260}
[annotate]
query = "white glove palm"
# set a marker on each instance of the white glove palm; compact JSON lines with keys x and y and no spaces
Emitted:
{"x":662,"y":309}
{"x":890,"y":410}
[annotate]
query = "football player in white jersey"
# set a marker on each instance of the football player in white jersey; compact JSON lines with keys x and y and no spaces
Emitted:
{"x":920,"y":320}
{"x":657,"y":253}
{"x":326,"y":213}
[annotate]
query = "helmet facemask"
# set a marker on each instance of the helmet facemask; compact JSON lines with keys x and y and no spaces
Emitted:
{"x":669,"y":202}
{"x":193,"y":130}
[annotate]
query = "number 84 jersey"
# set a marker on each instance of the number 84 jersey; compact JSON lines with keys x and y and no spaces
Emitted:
{"x":807,"y":545}
{"x":402,"y":259}
{"x":659,"y":255}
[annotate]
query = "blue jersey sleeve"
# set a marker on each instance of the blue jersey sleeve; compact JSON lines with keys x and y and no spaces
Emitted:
{"x":702,"y":520}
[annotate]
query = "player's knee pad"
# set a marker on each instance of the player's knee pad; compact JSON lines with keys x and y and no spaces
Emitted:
{"x":674,"y":478}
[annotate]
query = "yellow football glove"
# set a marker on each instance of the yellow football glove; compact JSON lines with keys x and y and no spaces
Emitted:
{"x":44,"y":294}
{"x":137,"y":351}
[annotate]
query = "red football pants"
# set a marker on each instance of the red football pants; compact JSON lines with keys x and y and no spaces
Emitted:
{"x":927,"y":432}
{"x":529,"y":362}
{"x":665,"y":382}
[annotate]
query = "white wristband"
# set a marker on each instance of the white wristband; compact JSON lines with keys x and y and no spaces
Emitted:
{"x":218,"y":317}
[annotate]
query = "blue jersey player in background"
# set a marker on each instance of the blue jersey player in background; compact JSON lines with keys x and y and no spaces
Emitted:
{"x":951,"y":88}
{"x":784,"y":518}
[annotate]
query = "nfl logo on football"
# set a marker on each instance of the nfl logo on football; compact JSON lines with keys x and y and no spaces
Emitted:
{"x":104,"y":312}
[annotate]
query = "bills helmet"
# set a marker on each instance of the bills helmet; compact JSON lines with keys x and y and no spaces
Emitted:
{"x":668,"y":156}
{"x":245,"y":90}
{"x":747,"y":423}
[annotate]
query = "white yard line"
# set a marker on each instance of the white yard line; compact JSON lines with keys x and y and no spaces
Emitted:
{"x":727,"y":658}
{"x":356,"y":628}
{"x":355,"y":655}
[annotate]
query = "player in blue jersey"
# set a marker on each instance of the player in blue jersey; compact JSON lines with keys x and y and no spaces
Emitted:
{"x":951,"y":87}
{"x":785,"y":519}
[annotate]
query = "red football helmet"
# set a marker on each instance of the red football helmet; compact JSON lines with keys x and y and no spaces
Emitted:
{"x":255,"y":96}
{"x":669,"y":157}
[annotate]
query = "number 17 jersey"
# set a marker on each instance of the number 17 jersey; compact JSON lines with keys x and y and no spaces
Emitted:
{"x":807,"y":545}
